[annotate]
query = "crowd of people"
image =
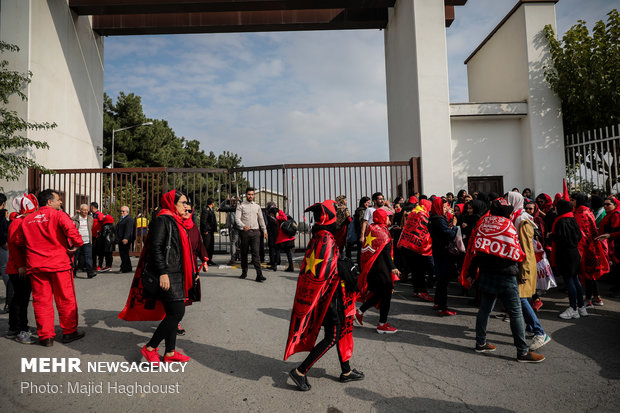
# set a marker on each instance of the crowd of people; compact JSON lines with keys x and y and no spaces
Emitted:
{"x":511,"y":246}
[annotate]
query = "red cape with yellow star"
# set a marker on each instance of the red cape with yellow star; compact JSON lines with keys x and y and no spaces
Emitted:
{"x":316,"y":285}
{"x":377,"y":238}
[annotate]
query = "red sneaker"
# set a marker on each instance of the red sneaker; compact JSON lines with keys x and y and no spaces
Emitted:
{"x":104,"y":269}
{"x":98,"y":268}
{"x":386,"y":329}
{"x":177,"y":356}
{"x":151,"y":356}
{"x":358,"y":318}
{"x":537,"y":305}
{"x":425,"y":297}
{"x":447,"y":312}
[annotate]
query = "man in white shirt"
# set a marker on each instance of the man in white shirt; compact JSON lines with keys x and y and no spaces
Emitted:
{"x":249,"y":219}
{"x":84,"y":256}
{"x":377,"y":202}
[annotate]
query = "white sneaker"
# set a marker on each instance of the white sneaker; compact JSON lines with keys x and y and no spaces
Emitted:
{"x":582,"y":311}
{"x":25,"y":337}
{"x":540,"y":341}
{"x":569,"y":313}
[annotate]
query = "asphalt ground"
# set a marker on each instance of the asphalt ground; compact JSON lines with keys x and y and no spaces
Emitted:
{"x":236,"y":339}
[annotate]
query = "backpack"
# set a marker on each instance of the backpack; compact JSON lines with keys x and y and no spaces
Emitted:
{"x":352,"y":236}
{"x":289,"y":227}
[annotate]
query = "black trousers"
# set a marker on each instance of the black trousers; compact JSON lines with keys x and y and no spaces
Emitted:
{"x":18,"y":308}
{"x":167,"y":329}
{"x":209,"y":241}
{"x":445,"y":269}
{"x":123,"y":250}
{"x":382,"y":295}
{"x":108,"y":259}
{"x":250,"y":239}
{"x":289,"y":254}
{"x":420,"y":266}
{"x":332,"y":335}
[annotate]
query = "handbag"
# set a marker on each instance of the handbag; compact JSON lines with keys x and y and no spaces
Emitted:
{"x":457,"y":246}
{"x":194,"y":293}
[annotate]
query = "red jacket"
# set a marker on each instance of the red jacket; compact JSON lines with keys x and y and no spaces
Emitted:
{"x":46,"y":235}
{"x":17,"y":254}
{"x":611,"y":225}
{"x":282,"y":237}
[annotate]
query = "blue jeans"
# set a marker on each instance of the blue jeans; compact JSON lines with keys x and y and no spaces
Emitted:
{"x":575,"y":292}
{"x":85,"y":258}
{"x":531,"y":321}
{"x":510,"y":297}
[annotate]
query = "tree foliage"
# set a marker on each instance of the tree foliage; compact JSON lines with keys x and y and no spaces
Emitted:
{"x":14,"y":144}
{"x":586,"y":73}
{"x":150,"y":146}
{"x":158,"y":146}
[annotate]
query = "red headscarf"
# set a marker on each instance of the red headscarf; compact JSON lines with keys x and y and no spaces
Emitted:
{"x":548,"y":203}
{"x":558,"y":197}
{"x":426,"y":204}
{"x":168,"y":208}
{"x":413,"y":200}
{"x":380,"y":217}
{"x":437,"y":207}
{"x":107,"y":220}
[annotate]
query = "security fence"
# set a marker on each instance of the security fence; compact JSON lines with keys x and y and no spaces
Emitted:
{"x":592,"y":160}
{"x":293,"y":187}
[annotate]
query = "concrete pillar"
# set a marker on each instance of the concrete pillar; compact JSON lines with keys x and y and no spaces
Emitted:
{"x":544,"y":137}
{"x":417,"y":90}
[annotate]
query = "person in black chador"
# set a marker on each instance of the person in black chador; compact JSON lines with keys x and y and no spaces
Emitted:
{"x":326,"y":290}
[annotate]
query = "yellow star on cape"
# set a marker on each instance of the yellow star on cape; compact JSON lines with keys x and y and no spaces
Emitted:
{"x":312,"y":262}
{"x":369,"y":240}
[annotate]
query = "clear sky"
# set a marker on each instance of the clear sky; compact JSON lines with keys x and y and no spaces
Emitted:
{"x":294,"y":96}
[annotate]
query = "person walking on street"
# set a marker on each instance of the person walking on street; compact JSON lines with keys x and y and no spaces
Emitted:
{"x":124,"y":237}
{"x":208,"y":227}
{"x":84,"y":256}
{"x":142,"y":227}
{"x":16,"y":269}
{"x":495,"y":252}
{"x":249,"y":218}
{"x":230,"y":208}
{"x":49,"y":237}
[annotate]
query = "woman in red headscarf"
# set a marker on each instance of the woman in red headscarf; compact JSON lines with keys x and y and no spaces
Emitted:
{"x":609,"y":230}
{"x":163,"y":278}
{"x":377,"y":269}
{"x":445,"y":267}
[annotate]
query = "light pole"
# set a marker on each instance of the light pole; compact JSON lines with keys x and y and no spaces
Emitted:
{"x":112,"y":163}
{"x":118,"y":130}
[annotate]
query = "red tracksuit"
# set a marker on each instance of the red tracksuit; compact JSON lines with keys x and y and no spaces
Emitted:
{"x":17,"y":254}
{"x":46,"y":233}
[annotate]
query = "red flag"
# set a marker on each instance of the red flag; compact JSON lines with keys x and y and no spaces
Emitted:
{"x":565,"y":195}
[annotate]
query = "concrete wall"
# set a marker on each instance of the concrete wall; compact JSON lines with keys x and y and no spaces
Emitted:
{"x":487,"y":146}
{"x":499,"y":71}
{"x":417,"y":89}
{"x":510,"y":67}
{"x":66,"y":59}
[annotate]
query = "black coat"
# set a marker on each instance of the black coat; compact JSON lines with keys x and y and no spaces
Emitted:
{"x":163,"y":260}
{"x":208,"y":222}
{"x":125,"y":229}
{"x":442,"y":235}
{"x":566,"y":236}
{"x":106,"y":239}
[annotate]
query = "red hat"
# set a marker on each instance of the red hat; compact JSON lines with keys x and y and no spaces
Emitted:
{"x":324,"y":213}
{"x":25,"y":204}
{"x":413,"y":200}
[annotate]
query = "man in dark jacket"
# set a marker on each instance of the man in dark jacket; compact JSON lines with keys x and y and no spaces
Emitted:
{"x":4,"y":249}
{"x":208,"y":226}
{"x":124,"y":237}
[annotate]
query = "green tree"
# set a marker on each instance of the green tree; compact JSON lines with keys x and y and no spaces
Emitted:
{"x":586,"y":76}
{"x":586,"y":73}
{"x":14,"y":145}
